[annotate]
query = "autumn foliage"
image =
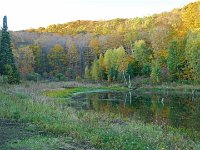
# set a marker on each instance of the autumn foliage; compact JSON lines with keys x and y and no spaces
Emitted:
{"x":163,"y":47}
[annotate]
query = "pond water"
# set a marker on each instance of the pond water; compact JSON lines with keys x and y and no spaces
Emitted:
{"x":179,"y":111}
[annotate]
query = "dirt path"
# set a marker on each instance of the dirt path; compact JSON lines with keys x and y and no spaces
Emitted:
{"x":10,"y":130}
{"x":14,"y":132}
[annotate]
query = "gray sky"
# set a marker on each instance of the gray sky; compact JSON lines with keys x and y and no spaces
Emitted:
{"x":24,"y":14}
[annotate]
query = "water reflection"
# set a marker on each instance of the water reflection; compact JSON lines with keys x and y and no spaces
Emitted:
{"x":175,"y":110}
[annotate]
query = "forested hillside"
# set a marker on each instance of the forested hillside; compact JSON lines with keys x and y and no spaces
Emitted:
{"x":163,"y":47}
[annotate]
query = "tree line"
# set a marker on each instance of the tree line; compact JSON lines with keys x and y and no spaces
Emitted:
{"x":163,"y":47}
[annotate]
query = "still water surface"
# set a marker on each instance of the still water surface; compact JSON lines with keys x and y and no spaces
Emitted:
{"x":179,"y":111}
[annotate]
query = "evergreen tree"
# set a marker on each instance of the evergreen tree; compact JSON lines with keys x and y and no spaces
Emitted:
{"x":7,"y":62}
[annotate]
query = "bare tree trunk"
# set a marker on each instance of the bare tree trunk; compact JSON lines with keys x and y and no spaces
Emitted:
{"x":130,"y":96}
{"x":125,"y":81}
{"x":129,"y":86}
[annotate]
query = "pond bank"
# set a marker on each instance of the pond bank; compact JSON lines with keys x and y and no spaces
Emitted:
{"x":19,"y":135}
{"x":170,"y":89}
{"x":11,"y":130}
{"x":103,"y":131}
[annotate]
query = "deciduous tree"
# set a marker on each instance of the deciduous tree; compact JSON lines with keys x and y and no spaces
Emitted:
{"x":57,"y":59}
{"x":193,"y":52}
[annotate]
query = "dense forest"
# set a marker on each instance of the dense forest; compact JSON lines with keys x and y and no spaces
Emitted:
{"x":164,"y":47}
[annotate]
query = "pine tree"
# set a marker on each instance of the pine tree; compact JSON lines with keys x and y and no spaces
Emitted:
{"x":7,"y":62}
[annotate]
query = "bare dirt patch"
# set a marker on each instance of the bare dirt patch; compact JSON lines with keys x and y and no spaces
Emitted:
{"x":14,"y":133}
{"x":13,"y":130}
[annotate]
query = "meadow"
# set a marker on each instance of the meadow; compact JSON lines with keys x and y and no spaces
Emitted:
{"x":38,"y":106}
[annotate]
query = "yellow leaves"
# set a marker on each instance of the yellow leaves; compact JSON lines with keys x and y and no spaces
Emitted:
{"x":72,"y":53}
{"x":191,"y":15}
{"x":57,"y":58}
{"x":123,"y":64}
{"x":25,"y":60}
{"x":116,"y":57}
{"x":101,"y":62}
{"x":190,"y":18}
{"x":160,"y":26}
{"x":187,"y":74}
{"x":161,"y":54}
{"x":193,"y":52}
{"x":95,"y":70}
{"x":94,"y":45}
{"x":108,"y":59}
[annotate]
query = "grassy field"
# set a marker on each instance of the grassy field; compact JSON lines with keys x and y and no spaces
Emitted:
{"x":34,"y":103}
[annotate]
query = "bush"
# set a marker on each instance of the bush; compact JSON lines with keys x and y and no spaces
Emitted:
{"x":60,"y":77}
{"x":3,"y":79}
{"x":12,"y":74}
{"x":78,"y":78}
{"x":45,"y":75}
{"x":146,"y":70}
{"x":70,"y":73}
{"x":33,"y":77}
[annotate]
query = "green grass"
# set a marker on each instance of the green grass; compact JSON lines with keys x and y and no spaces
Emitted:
{"x":47,"y":142}
{"x":90,"y":126}
{"x":35,"y":143}
{"x":67,"y":92}
{"x":173,"y":88}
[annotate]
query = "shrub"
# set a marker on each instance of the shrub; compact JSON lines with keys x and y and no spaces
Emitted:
{"x":60,"y":77}
{"x":3,"y":79}
{"x":78,"y":78}
{"x":33,"y":77}
{"x":146,"y":70}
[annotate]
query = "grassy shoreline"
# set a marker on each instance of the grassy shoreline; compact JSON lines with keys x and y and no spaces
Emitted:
{"x":101,"y":130}
{"x":144,"y":85}
{"x":172,"y":88}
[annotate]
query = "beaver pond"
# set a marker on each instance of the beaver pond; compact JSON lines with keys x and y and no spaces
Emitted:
{"x":179,"y":111}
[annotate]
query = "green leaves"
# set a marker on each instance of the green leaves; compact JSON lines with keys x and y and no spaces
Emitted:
{"x":193,"y":52}
{"x":156,"y":71}
{"x":7,"y":62}
{"x":57,"y":59}
{"x":173,"y":60}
